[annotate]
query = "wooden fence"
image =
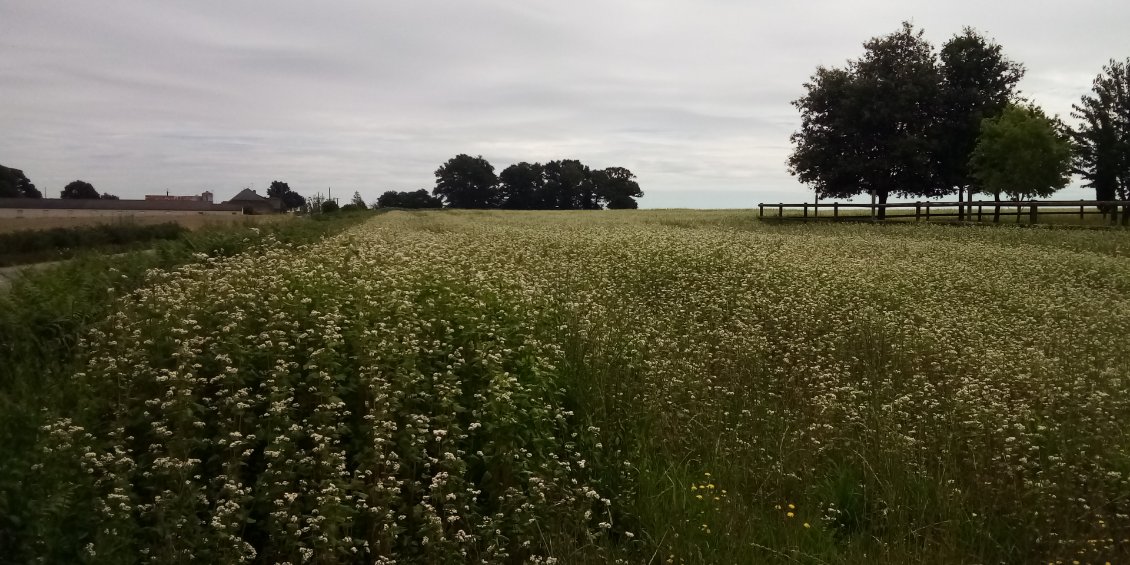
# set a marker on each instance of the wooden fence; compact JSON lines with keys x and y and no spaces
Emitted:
{"x":969,"y":210}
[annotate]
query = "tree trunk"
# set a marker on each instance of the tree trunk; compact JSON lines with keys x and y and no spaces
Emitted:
{"x":960,"y":206}
{"x":996,"y":208}
{"x":882,"y":209}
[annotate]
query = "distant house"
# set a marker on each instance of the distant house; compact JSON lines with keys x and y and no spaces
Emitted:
{"x":252,"y":203}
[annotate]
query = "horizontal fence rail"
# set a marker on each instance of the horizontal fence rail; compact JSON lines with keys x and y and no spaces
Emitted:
{"x":969,"y":210}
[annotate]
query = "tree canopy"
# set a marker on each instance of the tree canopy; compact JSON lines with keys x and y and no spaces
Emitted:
{"x":617,"y":187}
{"x":14,"y":184}
{"x":357,"y":202}
{"x":290,"y":198}
{"x":467,"y":182}
{"x":79,"y":189}
{"x":897,"y":120}
{"x":1022,"y":153}
{"x":1102,"y":137}
{"x":415,"y":199}
{"x":522,"y":186}
{"x":978,"y":82}
{"x":564,"y":184}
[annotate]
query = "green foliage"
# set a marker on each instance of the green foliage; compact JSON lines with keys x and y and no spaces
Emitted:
{"x":79,"y":189}
{"x":330,"y":206}
{"x":467,"y":182}
{"x":898,"y":121}
{"x":1022,"y":153}
{"x":14,"y":184}
{"x":357,"y":202}
{"x":415,"y":199}
{"x":565,"y":184}
{"x":684,"y":386}
{"x":617,"y":188}
{"x":291,"y":200}
{"x":978,"y":81}
{"x":522,"y":186}
{"x":1102,"y":138}
{"x":44,"y":316}
{"x":867,"y":128}
{"x":27,"y":246}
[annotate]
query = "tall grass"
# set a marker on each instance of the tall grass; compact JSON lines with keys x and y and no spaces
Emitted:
{"x":44,"y":316}
{"x":672,"y":387}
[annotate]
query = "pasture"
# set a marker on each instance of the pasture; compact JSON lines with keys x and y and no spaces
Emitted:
{"x":187,"y":221}
{"x":615,"y":386}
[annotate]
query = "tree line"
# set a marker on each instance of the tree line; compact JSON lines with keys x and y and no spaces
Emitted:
{"x":15,"y":184}
{"x":909,"y":121}
{"x":470,"y":182}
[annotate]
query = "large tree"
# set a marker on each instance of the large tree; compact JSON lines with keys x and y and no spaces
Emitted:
{"x":290,"y":198}
{"x":1102,"y":137}
{"x":900,"y":120}
{"x":869,"y":128}
{"x":521,"y":186}
{"x":978,"y":81}
{"x":357,"y":202}
{"x":568,"y":186}
{"x":467,"y":182}
{"x":14,"y":184}
{"x":79,"y":189}
{"x":1021,"y":153}
{"x":617,"y":187}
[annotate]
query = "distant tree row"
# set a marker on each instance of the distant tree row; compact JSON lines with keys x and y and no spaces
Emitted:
{"x":14,"y":184}
{"x":415,"y":199}
{"x":470,"y":182}
{"x":903,"y":120}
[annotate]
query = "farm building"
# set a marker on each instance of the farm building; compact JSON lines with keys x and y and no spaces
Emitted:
{"x":245,"y":202}
{"x":84,"y":208}
{"x":254,"y":204}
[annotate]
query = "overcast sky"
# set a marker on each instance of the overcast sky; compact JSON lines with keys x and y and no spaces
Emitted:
{"x":692,"y":96}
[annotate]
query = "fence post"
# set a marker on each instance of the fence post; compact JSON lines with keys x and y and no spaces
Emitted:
{"x":1080,"y":210}
{"x":805,"y":209}
{"x":978,"y":210}
{"x":1033,"y":215}
{"x":917,"y":211}
{"x":835,"y":209}
{"x":780,"y":210}
{"x":761,"y":210}
{"x":927,"y":209}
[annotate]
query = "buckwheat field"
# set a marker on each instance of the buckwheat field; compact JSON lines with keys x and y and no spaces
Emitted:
{"x":660,"y":387}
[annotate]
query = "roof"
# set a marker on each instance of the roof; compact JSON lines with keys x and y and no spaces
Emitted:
{"x":251,"y":199}
{"x":247,"y":194}
{"x":100,"y":204}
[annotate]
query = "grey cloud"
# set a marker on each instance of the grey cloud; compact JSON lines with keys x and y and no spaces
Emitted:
{"x":692,"y":96}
